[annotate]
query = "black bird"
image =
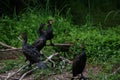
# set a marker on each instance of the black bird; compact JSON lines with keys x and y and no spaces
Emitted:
{"x":79,"y":64}
{"x":41,"y":31}
{"x":30,"y":52}
{"x":49,"y":31}
{"x":41,"y":41}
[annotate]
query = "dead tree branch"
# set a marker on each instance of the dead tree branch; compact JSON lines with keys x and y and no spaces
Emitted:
{"x":28,"y":72}
{"x":48,"y":58}
{"x":63,"y":58}
{"x":7,"y":46}
{"x":118,"y":69}
{"x":7,"y":50}
{"x":16,"y":72}
{"x":5,"y":77}
{"x":61,"y":45}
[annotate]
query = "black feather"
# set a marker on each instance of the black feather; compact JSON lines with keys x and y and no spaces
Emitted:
{"x":29,"y":51}
{"x":79,"y":63}
{"x":41,"y":41}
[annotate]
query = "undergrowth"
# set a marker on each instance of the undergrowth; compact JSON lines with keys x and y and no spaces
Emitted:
{"x":102,"y":45}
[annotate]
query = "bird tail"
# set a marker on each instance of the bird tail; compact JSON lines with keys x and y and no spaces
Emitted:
{"x":42,"y":65}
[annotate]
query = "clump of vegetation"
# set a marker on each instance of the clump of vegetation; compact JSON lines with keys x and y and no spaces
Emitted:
{"x":102,"y":44}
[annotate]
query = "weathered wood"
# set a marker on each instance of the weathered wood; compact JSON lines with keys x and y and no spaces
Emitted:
{"x":12,"y":52}
{"x":3,"y":77}
{"x":63,"y":58}
{"x":6,"y":46}
{"x":9,"y":55}
{"x":7,"y":50}
{"x":9,"y":76}
{"x":19,"y":49}
{"x":21,"y":78}
{"x":61,"y":45}
{"x":50,"y":57}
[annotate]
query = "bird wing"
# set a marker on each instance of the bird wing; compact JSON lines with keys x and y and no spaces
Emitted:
{"x":38,"y":42}
{"x":30,"y":51}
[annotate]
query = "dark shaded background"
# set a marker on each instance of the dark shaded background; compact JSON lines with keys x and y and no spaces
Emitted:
{"x":105,"y":12}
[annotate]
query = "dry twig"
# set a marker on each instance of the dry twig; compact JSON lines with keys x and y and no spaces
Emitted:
{"x":7,"y":50}
{"x":63,"y":58}
{"x":28,"y":72}
{"x":6,"y":46}
{"x":48,"y":58}
{"x":16,"y":72}
{"x":118,"y":69}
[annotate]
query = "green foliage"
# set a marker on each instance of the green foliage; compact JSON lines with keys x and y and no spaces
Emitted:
{"x":102,"y":45}
{"x":10,"y":64}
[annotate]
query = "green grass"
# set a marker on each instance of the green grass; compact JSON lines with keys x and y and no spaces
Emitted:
{"x":11,"y":64}
{"x":102,"y":44}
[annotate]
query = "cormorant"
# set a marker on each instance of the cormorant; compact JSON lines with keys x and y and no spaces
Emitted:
{"x":79,"y":64}
{"x":41,"y":41}
{"x":41,"y":31}
{"x":30,"y":52}
{"x":49,"y":31}
{"x":44,"y":35}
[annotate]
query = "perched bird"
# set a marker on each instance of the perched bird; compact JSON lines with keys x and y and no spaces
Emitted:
{"x":30,"y":52}
{"x":44,"y":35}
{"x":41,"y":30}
{"x":79,"y":64}
{"x":41,"y":41}
{"x":49,"y":31}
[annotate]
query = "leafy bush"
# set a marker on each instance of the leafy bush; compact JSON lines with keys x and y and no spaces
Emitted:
{"x":102,"y":45}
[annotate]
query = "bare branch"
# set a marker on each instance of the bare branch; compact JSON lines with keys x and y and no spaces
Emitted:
{"x":16,"y":72}
{"x":5,"y":77}
{"x":47,"y":59}
{"x":63,"y":58}
{"x":6,"y":50}
{"x":7,"y":46}
{"x":28,"y":72}
{"x":61,"y":45}
{"x":118,"y":69}
{"x":50,"y":57}
{"x":10,"y":53}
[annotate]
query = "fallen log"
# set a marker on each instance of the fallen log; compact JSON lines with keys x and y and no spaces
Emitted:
{"x":9,"y":52}
{"x":12,"y":52}
{"x":19,"y":49}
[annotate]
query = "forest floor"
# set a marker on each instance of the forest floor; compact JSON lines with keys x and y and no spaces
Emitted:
{"x":63,"y":76}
